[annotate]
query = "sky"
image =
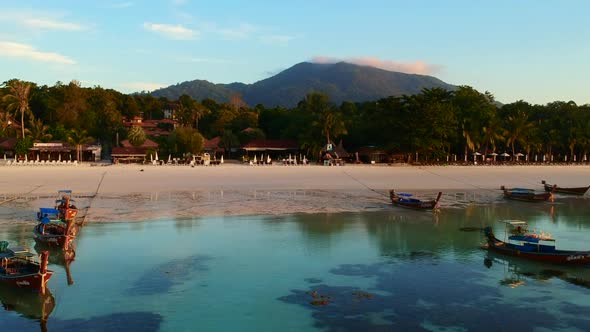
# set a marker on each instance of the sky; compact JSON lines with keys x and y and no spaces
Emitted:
{"x":532,"y":50}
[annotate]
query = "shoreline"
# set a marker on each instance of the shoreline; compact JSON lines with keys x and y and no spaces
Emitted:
{"x":129,"y":194}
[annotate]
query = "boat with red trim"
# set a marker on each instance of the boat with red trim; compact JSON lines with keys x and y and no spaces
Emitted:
{"x":52,"y":230}
{"x":520,"y":242}
{"x":526,"y":194}
{"x":580,"y":191}
{"x":65,"y":204}
{"x":19,"y":268}
{"x":409,"y":201}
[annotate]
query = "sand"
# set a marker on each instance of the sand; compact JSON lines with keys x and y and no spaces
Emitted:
{"x":135,"y":192}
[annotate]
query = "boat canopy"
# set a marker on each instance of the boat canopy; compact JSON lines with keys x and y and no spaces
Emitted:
{"x":522,"y":189}
{"x":48,"y":211}
{"x":404,"y":194}
{"x":64,"y":191}
{"x":530,"y":239}
{"x":514,"y":222}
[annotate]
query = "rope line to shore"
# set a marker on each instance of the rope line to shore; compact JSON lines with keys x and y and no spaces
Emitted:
{"x":93,"y":197}
{"x":17,"y":196}
{"x":453,"y":179}
{"x":364,"y":185}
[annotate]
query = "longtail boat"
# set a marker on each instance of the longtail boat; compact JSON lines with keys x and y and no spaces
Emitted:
{"x":540,"y":247}
{"x":571,"y":191}
{"x":19,"y":268}
{"x":526,"y":194}
{"x":52,"y":230}
{"x":65,"y":204}
{"x":408,"y":201}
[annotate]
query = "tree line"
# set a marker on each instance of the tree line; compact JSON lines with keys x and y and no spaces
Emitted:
{"x":434,"y":123}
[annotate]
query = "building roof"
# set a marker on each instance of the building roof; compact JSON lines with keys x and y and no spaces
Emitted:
{"x":126,"y":152}
{"x":211,"y":144}
{"x":268,"y":144}
{"x":147,"y":144}
{"x":8,"y":143}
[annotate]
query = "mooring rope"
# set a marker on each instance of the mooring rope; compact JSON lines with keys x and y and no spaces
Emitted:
{"x":364,"y":185}
{"x":93,"y":197}
{"x":456,"y":180}
{"x":17,"y":196}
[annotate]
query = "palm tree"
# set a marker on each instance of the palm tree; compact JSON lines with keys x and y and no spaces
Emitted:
{"x":492,"y":134}
{"x":18,"y":99}
{"x":5,"y":124}
{"x":518,"y":128}
{"x":136,"y":136}
{"x":79,"y":137}
{"x":38,"y":131}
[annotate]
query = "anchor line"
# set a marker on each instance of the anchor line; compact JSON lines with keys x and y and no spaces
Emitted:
{"x":15,"y":197}
{"x":93,"y":197}
{"x":453,"y":179}
{"x":364,"y":185}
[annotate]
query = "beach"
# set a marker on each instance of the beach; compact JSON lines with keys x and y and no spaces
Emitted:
{"x":142,"y":192}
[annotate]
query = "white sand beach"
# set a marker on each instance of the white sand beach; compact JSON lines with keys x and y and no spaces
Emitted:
{"x":136,"y":192}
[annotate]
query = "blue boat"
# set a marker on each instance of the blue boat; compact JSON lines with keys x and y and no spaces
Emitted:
{"x":408,"y":200}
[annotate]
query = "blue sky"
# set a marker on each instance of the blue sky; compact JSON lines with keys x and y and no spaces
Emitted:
{"x":535,"y":50}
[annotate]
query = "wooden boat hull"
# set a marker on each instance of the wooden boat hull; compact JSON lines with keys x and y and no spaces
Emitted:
{"x":32,"y":281}
{"x":51,"y":240}
{"x":580,"y":191}
{"x":414,"y":204}
{"x":538,"y":252}
{"x":539,"y":197}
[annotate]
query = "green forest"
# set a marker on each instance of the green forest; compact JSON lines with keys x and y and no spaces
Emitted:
{"x":432,"y":124}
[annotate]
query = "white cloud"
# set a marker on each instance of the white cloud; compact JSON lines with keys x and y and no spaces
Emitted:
{"x":416,"y":67}
{"x":39,"y":20}
{"x":276,"y":39}
{"x":242,"y":31}
{"x":48,"y":24}
{"x":27,"y":51}
{"x":141,"y":86}
{"x":171,"y":31}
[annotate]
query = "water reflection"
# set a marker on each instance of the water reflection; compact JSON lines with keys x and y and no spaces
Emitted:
{"x":61,"y":257}
{"x":30,"y":305}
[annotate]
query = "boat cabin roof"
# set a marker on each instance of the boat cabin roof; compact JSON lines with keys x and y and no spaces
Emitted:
{"x":16,"y":252}
{"x":48,"y":211}
{"x":405,"y":194}
{"x":514,"y":222}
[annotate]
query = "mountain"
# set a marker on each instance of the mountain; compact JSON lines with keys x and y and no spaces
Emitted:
{"x":341,"y":81}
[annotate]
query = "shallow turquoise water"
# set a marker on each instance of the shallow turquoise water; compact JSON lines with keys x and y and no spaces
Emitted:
{"x":391,"y":270}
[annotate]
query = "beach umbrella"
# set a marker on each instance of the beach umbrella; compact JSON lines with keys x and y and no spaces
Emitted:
{"x":543,"y":158}
{"x":26,"y":158}
{"x":70,"y":157}
{"x":565,"y":158}
{"x":59,"y":158}
{"x":221,"y":161}
{"x":268,"y":160}
{"x":455,"y":157}
{"x":574,"y":158}
{"x":526,"y":157}
{"x":156,"y":155}
{"x":551,"y":158}
{"x":493,"y":154}
{"x":151,"y":157}
{"x":582,"y":160}
{"x":169,"y":158}
{"x":535,"y":158}
{"x":465,"y":158}
{"x":37,"y":157}
{"x":255,"y":160}
{"x":262,"y":158}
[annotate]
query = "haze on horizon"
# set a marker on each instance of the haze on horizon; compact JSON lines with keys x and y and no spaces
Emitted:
{"x":530,"y":50}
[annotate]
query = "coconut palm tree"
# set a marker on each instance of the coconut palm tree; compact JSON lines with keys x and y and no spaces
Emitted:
{"x":136,"y":136}
{"x":79,"y":137}
{"x":518,"y":129}
{"x":38,"y":131}
{"x":18,"y":100}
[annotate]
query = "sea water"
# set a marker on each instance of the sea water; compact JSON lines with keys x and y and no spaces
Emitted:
{"x":393,"y":270}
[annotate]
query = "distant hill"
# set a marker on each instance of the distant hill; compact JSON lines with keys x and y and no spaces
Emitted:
{"x":341,"y":81}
